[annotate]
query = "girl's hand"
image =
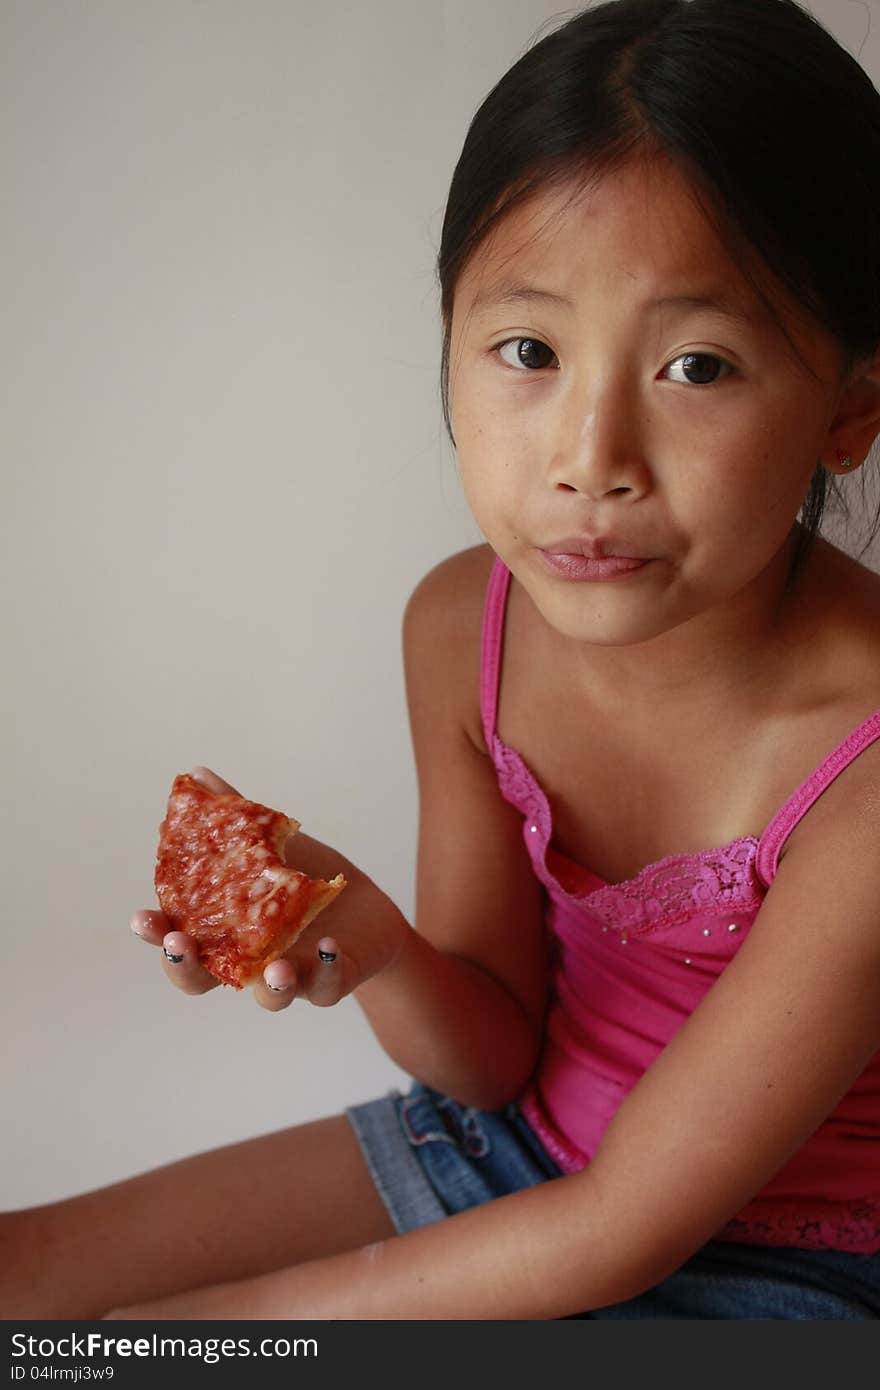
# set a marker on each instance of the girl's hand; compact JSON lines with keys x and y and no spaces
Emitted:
{"x":368,"y":934}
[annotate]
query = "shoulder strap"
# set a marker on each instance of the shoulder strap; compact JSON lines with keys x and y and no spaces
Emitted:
{"x":493,"y":637}
{"x":797,"y":805}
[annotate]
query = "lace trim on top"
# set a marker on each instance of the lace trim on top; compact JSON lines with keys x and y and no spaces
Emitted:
{"x":855,"y":1226}
{"x":663,"y":894}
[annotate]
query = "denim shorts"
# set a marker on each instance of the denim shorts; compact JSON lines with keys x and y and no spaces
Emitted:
{"x":430,"y":1157}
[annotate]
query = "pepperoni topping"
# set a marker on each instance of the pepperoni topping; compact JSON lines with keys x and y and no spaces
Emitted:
{"x":220,"y":877}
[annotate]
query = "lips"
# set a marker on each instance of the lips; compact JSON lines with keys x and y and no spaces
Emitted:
{"x":583,"y":567}
{"x":601,"y":548}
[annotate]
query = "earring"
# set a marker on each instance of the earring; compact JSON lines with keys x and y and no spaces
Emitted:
{"x":843,"y":458}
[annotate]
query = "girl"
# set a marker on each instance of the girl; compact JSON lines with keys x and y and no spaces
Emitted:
{"x":642,"y":996}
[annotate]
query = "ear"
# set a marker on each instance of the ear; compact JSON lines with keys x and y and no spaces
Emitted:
{"x":856,"y":423}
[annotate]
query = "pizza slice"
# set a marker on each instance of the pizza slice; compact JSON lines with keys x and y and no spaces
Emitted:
{"x":222,"y":879}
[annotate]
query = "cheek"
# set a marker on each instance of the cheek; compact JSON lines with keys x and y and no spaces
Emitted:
{"x":494,"y":494}
{"x":483,"y":493}
{"x":487,"y":454}
{"x":784,"y":450}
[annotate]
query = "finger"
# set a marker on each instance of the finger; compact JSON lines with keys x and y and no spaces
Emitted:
{"x":210,"y":780}
{"x":277,"y":988}
{"x":327,"y":982}
{"x":181,"y":965}
{"x":150,"y":926}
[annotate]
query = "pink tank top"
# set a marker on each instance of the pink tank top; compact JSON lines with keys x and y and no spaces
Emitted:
{"x":647,"y":950}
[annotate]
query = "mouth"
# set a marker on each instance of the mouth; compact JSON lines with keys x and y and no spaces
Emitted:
{"x":574,"y":565}
{"x":601,"y":548}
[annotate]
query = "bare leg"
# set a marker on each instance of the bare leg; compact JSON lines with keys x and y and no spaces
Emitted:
{"x":228,"y":1214}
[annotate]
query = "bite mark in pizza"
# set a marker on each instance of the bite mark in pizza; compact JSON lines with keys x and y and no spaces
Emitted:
{"x":221,"y":878}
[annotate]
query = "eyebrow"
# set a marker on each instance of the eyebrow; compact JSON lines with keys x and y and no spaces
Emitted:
{"x":718,"y":302}
{"x":517,"y":294}
{"x":496,"y":296}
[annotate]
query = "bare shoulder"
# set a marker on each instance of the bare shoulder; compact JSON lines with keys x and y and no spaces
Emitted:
{"x":442,"y":629}
{"x":838,"y":656}
{"x":455,"y":587}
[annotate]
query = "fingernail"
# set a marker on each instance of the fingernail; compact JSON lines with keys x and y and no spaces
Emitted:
{"x":175,"y":960}
{"x":328,"y":957}
{"x":270,"y":978}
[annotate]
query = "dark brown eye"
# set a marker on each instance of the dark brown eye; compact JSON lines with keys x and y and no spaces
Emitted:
{"x":528,"y":352}
{"x":700,"y":368}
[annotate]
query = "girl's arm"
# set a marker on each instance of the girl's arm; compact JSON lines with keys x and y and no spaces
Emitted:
{"x":463,"y":1006}
{"x":772,"y":1048}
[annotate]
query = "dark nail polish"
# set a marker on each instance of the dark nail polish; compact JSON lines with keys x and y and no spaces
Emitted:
{"x":327,"y":957}
{"x":175,"y":960}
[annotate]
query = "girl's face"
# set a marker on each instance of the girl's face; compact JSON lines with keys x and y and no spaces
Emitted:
{"x":627,"y":411}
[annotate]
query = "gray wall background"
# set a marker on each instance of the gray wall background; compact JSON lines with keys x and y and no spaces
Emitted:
{"x":223,"y":471}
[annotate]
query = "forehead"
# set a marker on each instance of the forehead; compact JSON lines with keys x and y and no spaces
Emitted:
{"x":643,"y":224}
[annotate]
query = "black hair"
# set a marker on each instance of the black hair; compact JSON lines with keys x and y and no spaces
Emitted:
{"x":772,"y":121}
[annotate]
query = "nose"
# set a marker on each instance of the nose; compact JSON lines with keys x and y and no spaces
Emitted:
{"x":598,"y":446}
